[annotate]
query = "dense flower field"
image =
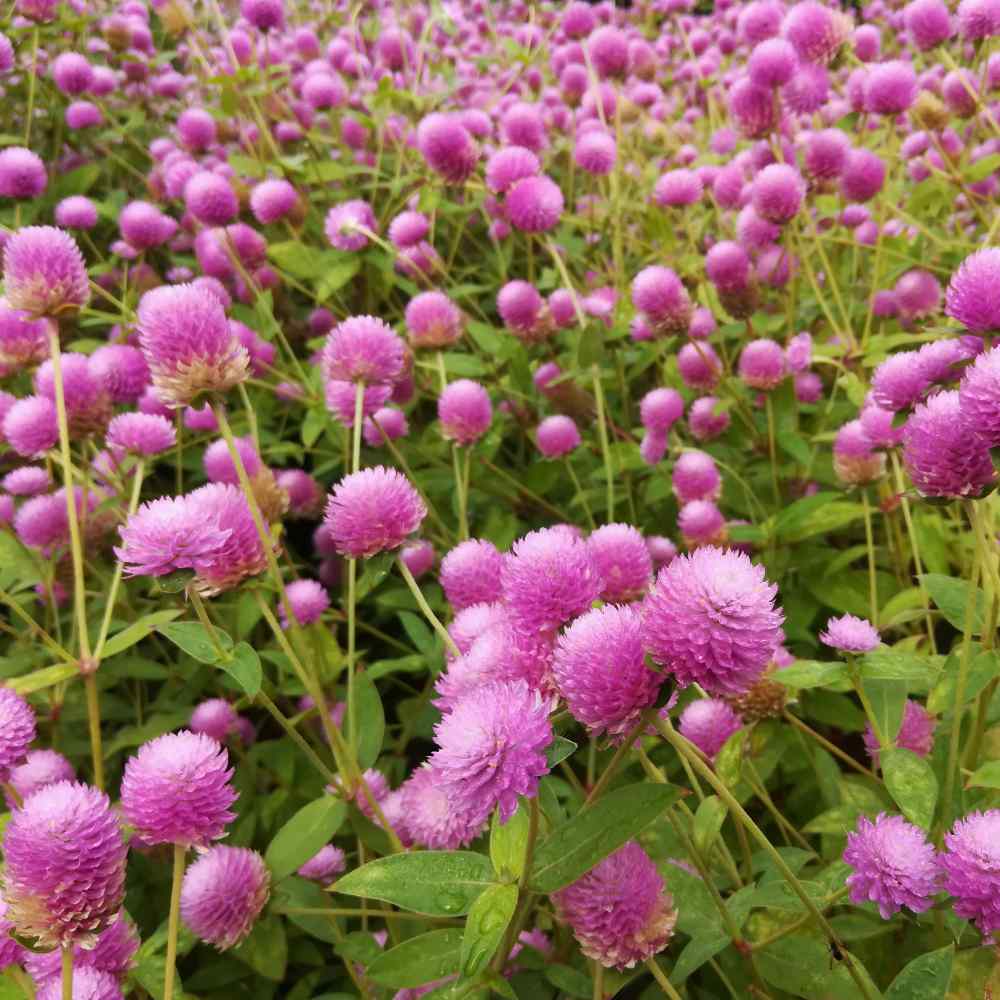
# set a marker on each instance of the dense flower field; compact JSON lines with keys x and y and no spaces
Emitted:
{"x":498,"y":498}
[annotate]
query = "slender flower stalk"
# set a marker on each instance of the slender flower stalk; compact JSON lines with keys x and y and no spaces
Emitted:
{"x":67,"y":951}
{"x":432,"y":618}
{"x":173,"y":921}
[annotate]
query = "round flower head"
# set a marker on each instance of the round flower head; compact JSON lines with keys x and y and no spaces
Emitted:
{"x":122,"y":371}
{"x":660,"y":409}
{"x":979,"y":398}
{"x":64,"y":880}
{"x":342,"y":397}
{"x":855,"y":460}
{"x":214,"y":718}
{"x":44,"y":273}
{"x":488,"y":659}
{"x":418,"y":556}
{"x":850,"y":635}
{"x":210,"y":198}
{"x":972,"y":298}
{"x":373,"y":511}
{"x":772,"y":63}
{"x":196,"y":128}
{"x":385,"y":422}
{"x":890,"y":88}
{"x":899,"y":381}
{"x":272,"y":200}
{"x":223,"y":893}
{"x":27,"y":481}
{"x":492,"y":748}
{"x":447,"y":147}
{"x":928,"y":23}
{"x":264,"y":14}
{"x":218,"y":463}
{"x":557,"y":436}
{"x":863,"y":175}
{"x":434,"y":817}
{"x":41,"y":522}
{"x":619,"y":911}
{"x":470,"y":574}
{"x":176,"y":790}
{"x":408,"y":229}
{"x":22,"y":173}
{"x":710,"y":619}
{"x":894,"y":865}
{"x":465,"y":411}
{"x":433,"y":320}
{"x":917,"y":293}
{"x":727,"y":266}
{"x":144,"y":226}
{"x":699,"y":366}
{"x":305,"y":497}
{"x":658,"y":293}
{"x":509,"y":165}
{"x":695,"y":477}
{"x":23,"y":340}
{"x":825,"y":153}
{"x":188,"y":344}
{"x":534,"y":204}
{"x":17,"y":730}
{"x":971,"y":868}
{"x":88,"y":984}
{"x":346,"y":224}
{"x":814,"y":30}
{"x":308,"y":600}
{"x":762,"y":364}
{"x":326,"y":863}
{"x":678,"y":187}
{"x":978,"y":19}
{"x":700,"y":522}
{"x":708,"y":723}
{"x":622,"y":561}
{"x":942,"y":457}
{"x":777,"y":192}
{"x":363,"y":349}
{"x":595,"y":152}
{"x":916,"y":732}
{"x":112,"y":955}
{"x":600,"y":671}
{"x":140,"y":434}
{"x":548,"y":578}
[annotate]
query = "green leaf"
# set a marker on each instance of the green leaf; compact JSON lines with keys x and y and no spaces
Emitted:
{"x":805,"y":967}
{"x":982,"y":670}
{"x":810,"y":673}
{"x":509,"y":841}
{"x":16,"y":564}
{"x":951,"y":595}
{"x":485,"y":926}
{"x":569,"y":980}
{"x":417,"y":631}
{"x":47,"y":677}
{"x":925,"y":978}
{"x":888,"y":701}
{"x":244,"y":667}
{"x":335,"y":277}
{"x":899,"y":664}
{"x":310,"y":829}
{"x":729,"y":760}
{"x":696,"y":953}
{"x":574,"y":848}
{"x":836,"y":821}
{"x":708,"y":822}
{"x":420,"y":960}
{"x":370,"y":726}
{"x":438,"y":883}
{"x":193,"y":638}
{"x":295,"y":892}
{"x":982,"y":168}
{"x":266,"y":948}
{"x":559,"y":749}
{"x":987,"y":776}
{"x":911,"y":782}
{"x":136,"y":632}
{"x":821,"y":519}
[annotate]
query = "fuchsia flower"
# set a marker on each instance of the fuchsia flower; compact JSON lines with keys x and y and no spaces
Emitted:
{"x":695,"y":477}
{"x":44,"y":273}
{"x":971,"y":868}
{"x":447,"y":147}
{"x":308,"y":600}
{"x":22,"y":173}
{"x":17,"y":730}
{"x":363,"y":349}
{"x":40,"y":768}
{"x":112,"y":955}
{"x":223,"y":894}
{"x":327,"y":862}
{"x":88,"y":984}
{"x":435,"y":817}
{"x":971,"y":298}
{"x":214,"y":718}
{"x":465,"y":411}
{"x":534,"y":204}
{"x":348,"y":224}
{"x":23,"y":340}
{"x":850,"y":634}
{"x":916,"y":732}
{"x":470,"y":574}
{"x":708,"y":723}
{"x":622,"y":561}
{"x":140,"y":434}
{"x":557,"y":436}
{"x":657,"y":292}
{"x":433,"y":320}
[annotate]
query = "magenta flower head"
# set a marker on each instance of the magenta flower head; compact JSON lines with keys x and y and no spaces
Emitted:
{"x":777,"y":193}
{"x":470,"y":574}
{"x":88,"y":984}
{"x":509,"y":165}
{"x":465,"y":411}
{"x":433,"y":320}
{"x":327,"y":862}
{"x":418,"y":556}
{"x":188,"y":344}
{"x":272,"y":200}
{"x":979,"y":398}
{"x":710,"y":619}
{"x":177,"y":790}
{"x":916,"y":732}
{"x":622,"y":561}
{"x":894,"y":865}
{"x":214,"y":718}
{"x":385,"y":422}
{"x":850,"y":635}
{"x":890,"y":88}
{"x":111,"y":956}
{"x":660,"y":409}
{"x":658,"y":293}
{"x":473,"y":621}
{"x":364,"y":349}
{"x":918,"y":293}
{"x":899,"y":381}
{"x":23,"y":340}
{"x":447,"y":147}
{"x":548,"y":578}
{"x":695,"y":477}
{"x":815,"y":30}
{"x":600,"y":671}
{"x":26,"y":481}
{"x":772,"y":63}
{"x":863,"y":175}
{"x":825,"y":153}
{"x":619,"y":911}
{"x":534,"y":204}
{"x":971,"y":868}
{"x":142,"y":434}
{"x":223,"y":893}
{"x":972,"y":298}
{"x":942,"y":457}
{"x":371,"y":511}
{"x":928,"y":23}
{"x":521,"y":307}
{"x":708,"y":723}
{"x":700,"y":522}
{"x":978,"y":19}
{"x":557,"y":436}
{"x":122,"y":370}
{"x":678,"y":187}
{"x":348,"y":224}
{"x":17,"y":730}
{"x":492,"y":748}
{"x":855,"y":460}
{"x":22,"y":173}
{"x":595,"y":151}
{"x":762,"y":364}
{"x":64,"y":880}
{"x":210,"y":198}
{"x":40,"y":768}
{"x":434,"y":816}
{"x":699,"y":366}
{"x":308,"y":600}
{"x":752,"y":108}
{"x":44,"y":273}
{"x":727,"y":266}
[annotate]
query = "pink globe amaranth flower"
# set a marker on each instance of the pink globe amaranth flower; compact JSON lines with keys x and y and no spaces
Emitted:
{"x":470,"y":574}
{"x":557,"y":436}
{"x":548,"y":578}
{"x":88,"y":984}
{"x":695,"y":477}
{"x":509,"y":165}
{"x":661,"y":549}
{"x":522,"y":309}
{"x":433,"y":320}
{"x":407,"y":229}
{"x":708,"y":723}
{"x":622,"y":560}
{"x":972,"y":298}
{"x":346,"y":222}
{"x":916,"y":732}
{"x":44,"y":273}
{"x":210,"y":198}
{"x":384,"y":423}
{"x":17,"y":730}
{"x":273,"y":199}
{"x":978,"y":19}
{"x":371,"y":511}
{"x":435,"y":818}
{"x":64,"y":880}
{"x":218,"y":463}
{"x":214,"y":718}
{"x":177,"y":790}
{"x":710,"y":619}
{"x":772,"y":63}
{"x":899,"y":381}
{"x":700,"y":522}
{"x":305,"y":497}
{"x":762,"y":364}
{"x":658,"y":293}
{"x":970,"y":866}
{"x":619,"y":911}
{"x":112,"y":955}
{"x":855,"y":460}
{"x":196,"y":129}
{"x":928,"y":23}
{"x":447,"y":146}
{"x":308,"y":600}
{"x":188,"y":344}
{"x":876,"y":425}
{"x":264,"y":14}
{"x":492,"y":748}
{"x":752,"y":109}
{"x":23,"y":341}
{"x":142,"y":434}
{"x":223,"y":893}
{"x":87,"y":404}
{"x":942,"y":456}
{"x":678,"y":187}
{"x":473,"y":621}
{"x":660,"y":409}
{"x":815,"y":30}
{"x":11,"y":953}
{"x":22,"y":173}
{"x":41,"y":523}
{"x":863,"y":175}
{"x":894,"y":865}
{"x":777,"y":192}
{"x":122,"y":370}
{"x":702,"y":324}
{"x":341,"y":399}
{"x":850,"y":635}
{"x":83,"y":114}
{"x":890,"y":88}
{"x":698,"y":365}
{"x":418,"y":556}
{"x":727,"y":266}
{"x":600,"y":671}
{"x":595,"y":152}
{"x":324,"y":864}
{"x":825,"y":153}
{"x":798,"y":352}
{"x":465,"y":411}
{"x":534,"y":204}
{"x":144,"y":226}
{"x":918,"y":293}
{"x":27,"y":481}
{"x":979,"y":398}
{"x":364,"y":349}
{"x":491,"y":657}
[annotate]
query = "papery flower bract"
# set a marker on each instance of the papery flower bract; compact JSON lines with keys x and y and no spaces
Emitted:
{"x":363,"y":349}
{"x":17,"y":730}
{"x":973,"y":296}
{"x":465,"y":411}
{"x":140,"y":434}
{"x":434,"y":817}
{"x":44,"y":273}
{"x":979,"y":398}
{"x":622,"y":561}
{"x":916,"y":732}
{"x":470,"y":573}
{"x":327,"y":862}
{"x":39,"y":768}
{"x":850,"y":634}
{"x":708,"y":723}
{"x":348,"y":224}
{"x":112,"y":954}
{"x":971,"y":868}
{"x":473,"y":621}
{"x":433,"y":320}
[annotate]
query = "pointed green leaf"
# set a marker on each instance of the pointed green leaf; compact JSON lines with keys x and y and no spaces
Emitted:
{"x":485,"y":926}
{"x":911,"y":782}
{"x":418,"y":961}
{"x":244,"y":667}
{"x":925,"y":978}
{"x":310,"y":829}
{"x":509,"y":841}
{"x":137,"y":631}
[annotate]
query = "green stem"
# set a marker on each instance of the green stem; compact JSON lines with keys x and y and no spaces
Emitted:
{"x":432,"y":618}
{"x":32,"y":77}
{"x":352,"y":579}
{"x":602,"y":430}
{"x":36,"y":629}
{"x":619,"y":756}
{"x":463,"y":500}
{"x":661,"y":978}
{"x":772,"y":450}
{"x":67,"y":951}
{"x":827,"y":745}
{"x":579,"y":492}
{"x":173,"y":922}
{"x":870,"y":545}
